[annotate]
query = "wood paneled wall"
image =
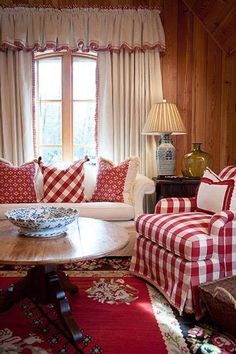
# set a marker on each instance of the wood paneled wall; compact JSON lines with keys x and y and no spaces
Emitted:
{"x":197,"y":74}
{"x":201,"y":79}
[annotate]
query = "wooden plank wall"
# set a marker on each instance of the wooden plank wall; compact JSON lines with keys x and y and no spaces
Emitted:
{"x":201,"y":79}
{"x":197,"y":75}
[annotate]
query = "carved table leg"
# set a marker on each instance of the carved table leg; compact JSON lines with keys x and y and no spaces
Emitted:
{"x":59,"y":299}
{"x":14,"y":294}
{"x":44,"y":285}
{"x":66,"y":283}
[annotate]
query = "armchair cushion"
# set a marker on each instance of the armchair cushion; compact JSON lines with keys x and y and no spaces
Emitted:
{"x":183,"y":234}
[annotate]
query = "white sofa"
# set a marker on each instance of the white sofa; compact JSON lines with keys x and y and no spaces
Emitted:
{"x":120,"y":213}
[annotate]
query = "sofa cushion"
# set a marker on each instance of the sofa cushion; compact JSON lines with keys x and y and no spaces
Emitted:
{"x":63,"y":185}
{"x":114,"y":183}
{"x":17,"y":183}
{"x":104,"y":210}
{"x":184,"y":234}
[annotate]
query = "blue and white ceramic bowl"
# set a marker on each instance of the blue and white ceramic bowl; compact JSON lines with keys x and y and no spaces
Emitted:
{"x":42,"y":221}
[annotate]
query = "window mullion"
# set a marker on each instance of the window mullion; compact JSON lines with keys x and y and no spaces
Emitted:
{"x":67,"y":124}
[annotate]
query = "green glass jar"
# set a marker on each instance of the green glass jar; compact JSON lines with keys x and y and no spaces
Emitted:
{"x":195,"y":162}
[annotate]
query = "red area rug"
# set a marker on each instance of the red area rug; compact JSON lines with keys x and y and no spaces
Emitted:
{"x":117,"y":313}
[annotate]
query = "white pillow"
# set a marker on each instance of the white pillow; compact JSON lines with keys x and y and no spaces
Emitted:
{"x":215,"y":194}
{"x":208,"y":173}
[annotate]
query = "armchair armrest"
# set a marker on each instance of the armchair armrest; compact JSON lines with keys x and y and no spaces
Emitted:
{"x":142,"y":185}
{"x":222,"y":228}
{"x":219,"y":221}
{"x":175,"y":205}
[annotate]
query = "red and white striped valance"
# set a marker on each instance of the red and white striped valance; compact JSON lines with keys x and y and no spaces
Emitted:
{"x":85,"y":29}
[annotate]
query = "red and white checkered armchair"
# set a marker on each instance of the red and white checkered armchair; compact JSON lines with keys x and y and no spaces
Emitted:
{"x":182,"y":245}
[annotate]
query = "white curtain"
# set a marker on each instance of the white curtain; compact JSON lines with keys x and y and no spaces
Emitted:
{"x":129,"y":83}
{"x":87,"y":29}
{"x":16,"y":133}
{"x":128,"y":43}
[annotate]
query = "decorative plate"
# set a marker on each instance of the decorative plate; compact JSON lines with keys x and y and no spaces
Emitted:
{"x":42,"y":221}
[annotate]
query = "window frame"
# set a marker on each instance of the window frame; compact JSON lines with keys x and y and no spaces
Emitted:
{"x":66,"y":99}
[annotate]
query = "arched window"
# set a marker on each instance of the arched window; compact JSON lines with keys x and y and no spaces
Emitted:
{"x":65,"y":105}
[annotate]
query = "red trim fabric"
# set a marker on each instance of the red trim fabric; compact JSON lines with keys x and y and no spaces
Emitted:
{"x":97,"y":110}
{"x":213,"y":197}
{"x":17,"y":183}
{"x":63,"y":185}
{"x":33,"y":108}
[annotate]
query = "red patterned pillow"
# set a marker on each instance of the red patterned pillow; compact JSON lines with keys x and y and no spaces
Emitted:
{"x":114,"y":183}
{"x":63,"y":185}
{"x":17,"y":183}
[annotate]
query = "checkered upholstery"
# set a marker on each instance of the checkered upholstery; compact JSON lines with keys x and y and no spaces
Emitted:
{"x":183,"y":234}
{"x":175,"y":205}
{"x":63,"y":185}
{"x":175,"y":277}
{"x":178,"y":251}
{"x":223,"y":229}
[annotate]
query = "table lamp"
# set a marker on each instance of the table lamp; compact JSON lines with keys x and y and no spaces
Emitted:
{"x":164,"y":120}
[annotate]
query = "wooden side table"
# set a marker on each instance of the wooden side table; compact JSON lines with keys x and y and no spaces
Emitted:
{"x":175,"y":187}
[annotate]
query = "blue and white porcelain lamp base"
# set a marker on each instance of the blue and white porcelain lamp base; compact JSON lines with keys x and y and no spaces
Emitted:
{"x":165,"y":156}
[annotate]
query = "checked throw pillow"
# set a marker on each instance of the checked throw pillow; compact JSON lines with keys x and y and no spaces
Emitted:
{"x":63,"y":185}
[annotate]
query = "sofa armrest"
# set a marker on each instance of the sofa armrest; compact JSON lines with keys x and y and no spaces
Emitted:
{"x":175,"y":205}
{"x":142,"y":185}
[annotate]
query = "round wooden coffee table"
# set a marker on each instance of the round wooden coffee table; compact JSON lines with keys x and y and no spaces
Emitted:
{"x":45,"y":283}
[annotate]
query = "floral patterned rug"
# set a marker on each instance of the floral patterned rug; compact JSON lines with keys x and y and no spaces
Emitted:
{"x":116,"y":312}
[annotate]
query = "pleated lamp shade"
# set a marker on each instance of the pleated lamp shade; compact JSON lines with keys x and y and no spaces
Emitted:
{"x":164,"y":117}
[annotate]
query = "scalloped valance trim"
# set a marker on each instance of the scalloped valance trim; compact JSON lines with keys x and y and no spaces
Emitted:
{"x":38,"y":29}
{"x":81,"y":6}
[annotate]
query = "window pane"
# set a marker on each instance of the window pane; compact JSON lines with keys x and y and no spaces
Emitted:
{"x":49,"y":71}
{"x":50,"y":123}
{"x":80,"y":151}
{"x":84,"y":78}
{"x":84,"y":129}
{"x":51,"y":154}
